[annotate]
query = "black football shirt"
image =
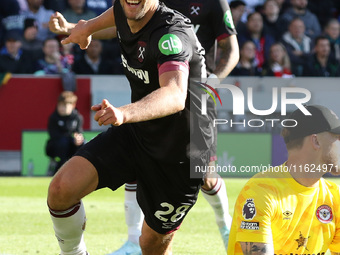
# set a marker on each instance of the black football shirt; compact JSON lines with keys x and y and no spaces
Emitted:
{"x":166,"y":38}
{"x":211,"y":19}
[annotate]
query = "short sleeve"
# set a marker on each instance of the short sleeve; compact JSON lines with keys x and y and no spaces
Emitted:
{"x":222,"y":20}
{"x":335,"y":244}
{"x":254,"y":210}
{"x":172,"y":45}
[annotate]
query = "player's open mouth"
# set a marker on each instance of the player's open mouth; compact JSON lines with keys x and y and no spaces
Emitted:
{"x":133,"y":2}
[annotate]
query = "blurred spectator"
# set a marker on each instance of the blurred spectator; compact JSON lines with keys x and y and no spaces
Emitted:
{"x":278,"y":64}
{"x":67,"y":54}
{"x":23,"y":5}
{"x":247,"y":65}
{"x":56,"y":5}
{"x":237,"y":8}
{"x":332,"y":32}
{"x":255,"y":33}
{"x":92,"y":62}
{"x":320,"y":63}
{"x":298,"y":45}
{"x":251,"y":6}
{"x":323,"y":9}
{"x":270,"y":14}
{"x":99,"y":6}
{"x":77,"y":10}
{"x":283,"y":5}
{"x":52,"y":62}
{"x":13,"y":22}
{"x":30,"y":41}
{"x":299,"y":9}
{"x":65,"y":128}
{"x":13,"y":58}
{"x":7,"y":8}
{"x":37,"y":11}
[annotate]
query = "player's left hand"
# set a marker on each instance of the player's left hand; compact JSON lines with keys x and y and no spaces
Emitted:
{"x":58,"y":24}
{"x":107,"y":114}
{"x":79,"y":35}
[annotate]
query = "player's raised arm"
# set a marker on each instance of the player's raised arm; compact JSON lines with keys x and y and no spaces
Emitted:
{"x":251,"y":248}
{"x":225,"y":32}
{"x":59,"y":25}
{"x":82,"y":32}
{"x":168,"y":99}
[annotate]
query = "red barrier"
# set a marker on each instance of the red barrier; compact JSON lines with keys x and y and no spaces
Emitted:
{"x":27,"y":102}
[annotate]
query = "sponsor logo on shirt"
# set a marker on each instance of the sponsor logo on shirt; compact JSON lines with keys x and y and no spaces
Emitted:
{"x":250,"y":225}
{"x":249,"y":210}
{"x":324,"y":214}
{"x":228,"y":19}
{"x":287,"y":215}
{"x":195,"y":27}
{"x":170,"y":44}
{"x":141,"y":74}
{"x":302,"y":241}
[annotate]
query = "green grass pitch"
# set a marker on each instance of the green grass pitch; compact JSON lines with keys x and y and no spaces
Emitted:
{"x":26,"y":228}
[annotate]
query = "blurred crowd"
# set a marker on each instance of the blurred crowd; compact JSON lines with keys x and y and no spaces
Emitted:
{"x":28,"y":47}
{"x":281,"y":38}
{"x":285,"y":38}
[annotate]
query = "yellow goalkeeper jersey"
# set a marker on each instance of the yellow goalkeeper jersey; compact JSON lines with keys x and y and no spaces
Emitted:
{"x":274,"y":208}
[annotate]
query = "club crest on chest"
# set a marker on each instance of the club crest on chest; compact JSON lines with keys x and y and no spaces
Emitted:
{"x":195,"y":9}
{"x":141,"y":51}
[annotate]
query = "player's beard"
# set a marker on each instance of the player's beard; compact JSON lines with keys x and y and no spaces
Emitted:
{"x":332,"y":161}
{"x":139,"y":15}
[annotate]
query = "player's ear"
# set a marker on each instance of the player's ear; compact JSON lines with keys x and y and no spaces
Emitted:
{"x":315,"y":142}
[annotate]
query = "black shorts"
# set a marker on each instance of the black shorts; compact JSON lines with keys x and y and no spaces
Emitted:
{"x":165,"y":192}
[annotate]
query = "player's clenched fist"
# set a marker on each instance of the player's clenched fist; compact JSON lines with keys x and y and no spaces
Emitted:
{"x":58,"y":24}
{"x":79,"y":35}
{"x":107,"y":114}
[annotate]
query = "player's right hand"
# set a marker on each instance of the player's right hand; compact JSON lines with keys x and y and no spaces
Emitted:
{"x":79,"y":35}
{"x":58,"y":24}
{"x":107,"y":114}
